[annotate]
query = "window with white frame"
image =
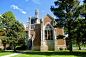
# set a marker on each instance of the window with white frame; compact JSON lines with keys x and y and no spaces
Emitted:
{"x":48,"y":32}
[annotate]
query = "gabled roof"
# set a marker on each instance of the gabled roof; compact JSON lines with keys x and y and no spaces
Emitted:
{"x":48,"y":15}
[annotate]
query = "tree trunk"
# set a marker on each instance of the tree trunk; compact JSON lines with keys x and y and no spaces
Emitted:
{"x":76,"y":45}
{"x":70,"y":41}
{"x":70,"y":45}
{"x":10,"y":45}
{"x":14,"y":48}
{"x":79,"y":45}
{"x":4,"y":46}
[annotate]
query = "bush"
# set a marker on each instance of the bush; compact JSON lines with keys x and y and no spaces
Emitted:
{"x":65,"y":48}
{"x":8,"y":48}
{"x":1,"y":49}
{"x":61,"y":48}
{"x":21,"y":48}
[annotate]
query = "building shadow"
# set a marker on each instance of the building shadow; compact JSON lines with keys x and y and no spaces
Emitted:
{"x":51,"y":53}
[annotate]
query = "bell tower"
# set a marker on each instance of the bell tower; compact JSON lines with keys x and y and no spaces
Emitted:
{"x":37,"y":15}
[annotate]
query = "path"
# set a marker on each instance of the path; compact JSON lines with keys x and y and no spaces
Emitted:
{"x":15,"y":54}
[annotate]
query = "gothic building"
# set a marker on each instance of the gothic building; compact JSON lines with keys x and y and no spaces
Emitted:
{"x":43,"y":36}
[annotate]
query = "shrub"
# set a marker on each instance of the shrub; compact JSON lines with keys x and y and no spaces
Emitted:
{"x":21,"y":48}
{"x":8,"y":48}
{"x":65,"y":48}
{"x":61,"y":48}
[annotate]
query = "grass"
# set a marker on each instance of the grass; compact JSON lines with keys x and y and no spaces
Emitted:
{"x":7,"y":52}
{"x":76,"y":53}
{"x":78,"y":47}
{"x":2,"y":53}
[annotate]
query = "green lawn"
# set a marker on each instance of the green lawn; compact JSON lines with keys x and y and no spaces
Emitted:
{"x":78,"y":47}
{"x":7,"y":52}
{"x":76,"y":53}
{"x":2,"y":53}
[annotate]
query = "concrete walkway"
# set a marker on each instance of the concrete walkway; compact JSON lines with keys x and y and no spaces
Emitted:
{"x":15,"y":54}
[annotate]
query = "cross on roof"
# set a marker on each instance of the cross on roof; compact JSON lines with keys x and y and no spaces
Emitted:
{"x":47,"y":11}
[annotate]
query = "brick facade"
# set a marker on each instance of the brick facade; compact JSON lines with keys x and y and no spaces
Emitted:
{"x":47,"y":19}
{"x":31,"y":32}
{"x":60,"y":31}
{"x":37,"y":35}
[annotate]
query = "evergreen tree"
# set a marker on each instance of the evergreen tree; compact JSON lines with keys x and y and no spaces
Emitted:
{"x":16,"y":34}
{"x":66,"y":11}
{"x":8,"y":18}
{"x":2,"y":32}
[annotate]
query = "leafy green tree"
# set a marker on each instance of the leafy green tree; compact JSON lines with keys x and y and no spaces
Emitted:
{"x":77,"y":31}
{"x":66,"y":12}
{"x":8,"y":18}
{"x":2,"y":32}
{"x":16,"y":34}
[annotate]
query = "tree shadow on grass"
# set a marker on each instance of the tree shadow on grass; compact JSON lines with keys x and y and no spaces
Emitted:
{"x":78,"y":54}
{"x":11,"y":51}
{"x":2,"y":51}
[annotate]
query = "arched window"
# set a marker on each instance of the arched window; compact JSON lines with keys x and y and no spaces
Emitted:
{"x":48,"y":32}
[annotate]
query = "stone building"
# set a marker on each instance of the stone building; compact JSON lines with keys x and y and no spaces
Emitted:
{"x":43,"y":36}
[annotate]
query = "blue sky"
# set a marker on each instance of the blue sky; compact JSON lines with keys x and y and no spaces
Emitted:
{"x":22,"y":9}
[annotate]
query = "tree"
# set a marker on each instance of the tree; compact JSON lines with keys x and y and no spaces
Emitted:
{"x":8,"y":18}
{"x":66,"y":11}
{"x":4,"y":41}
{"x":16,"y":34}
{"x":77,"y":31}
{"x":2,"y":33}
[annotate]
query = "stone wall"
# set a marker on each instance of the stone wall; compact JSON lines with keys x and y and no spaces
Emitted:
{"x":37,"y":35}
{"x":35,"y":48}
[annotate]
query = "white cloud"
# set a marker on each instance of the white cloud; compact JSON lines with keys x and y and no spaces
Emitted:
{"x":16,"y":7}
{"x":44,"y":11}
{"x":26,"y":0}
{"x":20,"y":9}
{"x":36,"y":1}
{"x":23,"y":12}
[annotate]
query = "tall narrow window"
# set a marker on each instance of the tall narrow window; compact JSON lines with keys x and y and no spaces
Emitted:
{"x":48,"y":33}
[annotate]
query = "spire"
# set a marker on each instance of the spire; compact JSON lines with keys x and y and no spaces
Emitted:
{"x":36,"y":13}
{"x":47,"y":11}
